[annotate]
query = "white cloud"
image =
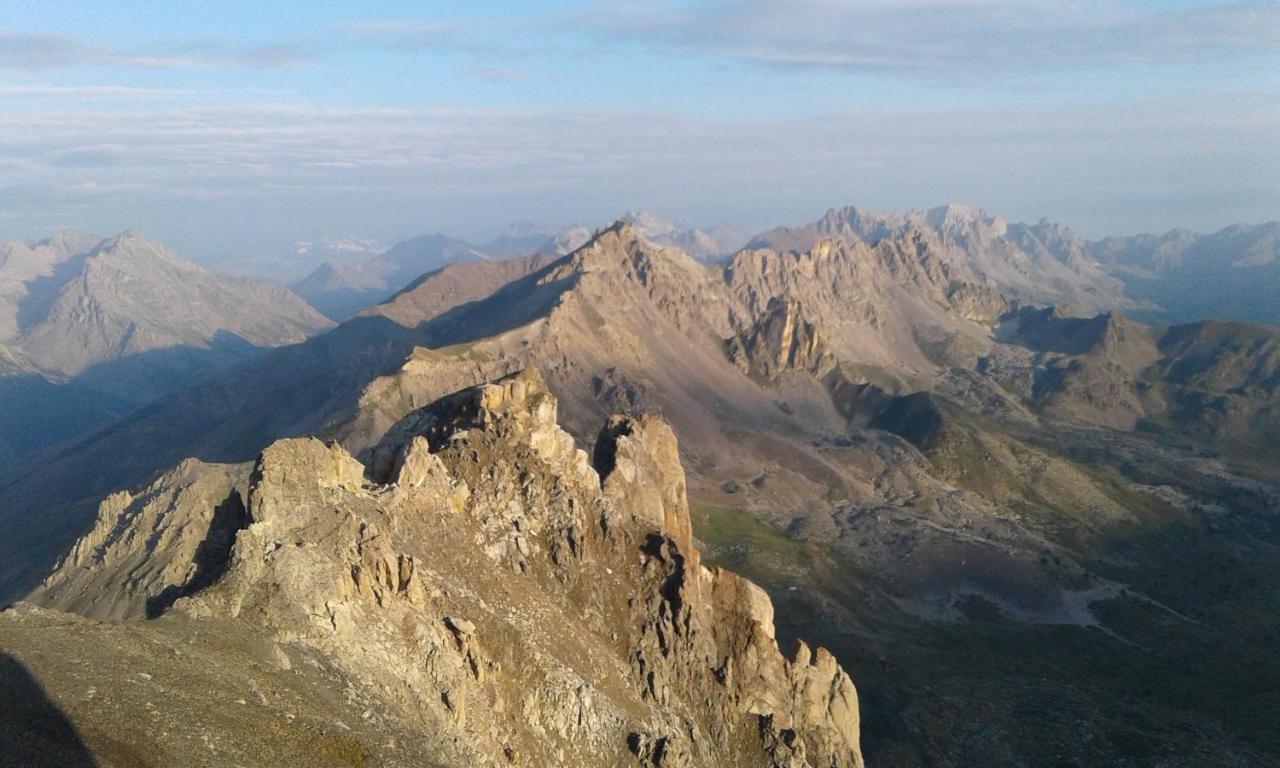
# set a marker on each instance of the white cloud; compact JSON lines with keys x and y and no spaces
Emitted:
{"x":1116,"y":166}
{"x":946,"y":39}
{"x":33,"y":52}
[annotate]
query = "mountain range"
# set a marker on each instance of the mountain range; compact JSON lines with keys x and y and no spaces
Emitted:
{"x":940,"y":442}
{"x":1230,"y":274}
{"x":1179,"y":276}
{"x":339,"y":289}
{"x":91,"y":328}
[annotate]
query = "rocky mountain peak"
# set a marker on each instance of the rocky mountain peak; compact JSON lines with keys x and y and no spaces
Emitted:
{"x":494,"y":599}
{"x":649,"y":222}
{"x":128,"y":295}
{"x":706,"y":245}
{"x":519,"y":407}
{"x":955,"y":217}
{"x":782,"y":340}
{"x":132,"y":249}
{"x":623,"y":245}
{"x":1040,"y":263}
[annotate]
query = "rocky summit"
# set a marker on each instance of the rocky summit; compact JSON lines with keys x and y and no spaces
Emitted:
{"x":472,"y":589}
{"x":980,"y":504}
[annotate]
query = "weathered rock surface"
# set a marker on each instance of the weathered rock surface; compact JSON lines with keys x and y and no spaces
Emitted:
{"x":148,"y":549}
{"x":488,"y":592}
{"x":781,"y":340}
{"x":961,"y":453}
{"x":1042,"y":263}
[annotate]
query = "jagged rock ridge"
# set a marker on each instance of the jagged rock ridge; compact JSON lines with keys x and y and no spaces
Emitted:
{"x":959,"y":449}
{"x":498,"y":598}
{"x":1042,"y":263}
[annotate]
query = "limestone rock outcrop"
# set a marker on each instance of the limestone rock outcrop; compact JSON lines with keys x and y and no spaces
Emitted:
{"x":149,"y":548}
{"x":783,"y":339}
{"x":494,"y":596}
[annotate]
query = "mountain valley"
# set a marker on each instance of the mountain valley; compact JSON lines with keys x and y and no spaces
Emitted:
{"x":92,"y":329}
{"x":942,"y":443}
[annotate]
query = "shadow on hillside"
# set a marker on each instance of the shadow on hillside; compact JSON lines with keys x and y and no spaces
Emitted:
{"x":37,"y":415}
{"x":517,"y":303}
{"x":43,"y":292}
{"x":34,"y":731}
{"x":48,"y":499}
{"x":147,"y":376}
{"x":212,"y":556}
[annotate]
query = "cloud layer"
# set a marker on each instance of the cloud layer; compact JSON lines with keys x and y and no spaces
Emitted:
{"x":949,"y":38}
{"x":1112,"y":116}
{"x":29,"y":52}
{"x":1193,"y":162}
{"x":935,"y":39}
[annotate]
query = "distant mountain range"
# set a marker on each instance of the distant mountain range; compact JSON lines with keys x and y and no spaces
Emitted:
{"x":940,"y":441}
{"x":340,"y":288}
{"x":1041,"y":263}
{"x":1176,"y":277}
{"x":1229,"y":274}
{"x":1180,"y":276}
{"x":710,"y":245}
{"x":91,"y":327}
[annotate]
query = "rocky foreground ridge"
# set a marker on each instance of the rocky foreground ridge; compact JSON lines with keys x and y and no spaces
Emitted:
{"x":476,"y":586}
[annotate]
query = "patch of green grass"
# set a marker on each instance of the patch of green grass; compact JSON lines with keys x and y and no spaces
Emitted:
{"x":1153,"y":688}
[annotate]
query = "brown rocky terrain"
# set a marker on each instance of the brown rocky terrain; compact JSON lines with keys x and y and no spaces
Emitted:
{"x":484,"y":591}
{"x":923,"y":470}
{"x":1043,"y":263}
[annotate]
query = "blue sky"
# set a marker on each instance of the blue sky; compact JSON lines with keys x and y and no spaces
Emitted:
{"x":228,"y":128}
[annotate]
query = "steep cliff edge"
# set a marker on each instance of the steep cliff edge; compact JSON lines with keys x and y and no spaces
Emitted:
{"x":487,"y":591}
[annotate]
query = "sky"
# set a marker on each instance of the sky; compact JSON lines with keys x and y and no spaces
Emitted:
{"x":231,"y":128}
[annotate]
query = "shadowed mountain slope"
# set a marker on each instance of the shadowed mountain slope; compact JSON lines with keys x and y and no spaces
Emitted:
{"x":1228,"y":275}
{"x":951,"y":458}
{"x":91,"y":329}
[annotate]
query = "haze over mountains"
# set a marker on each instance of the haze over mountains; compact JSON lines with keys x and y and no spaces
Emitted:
{"x":936,"y":438}
{"x":340,"y":289}
{"x":1175,"y":277}
{"x":91,"y":328}
{"x":1231,"y":273}
{"x":510,"y":447}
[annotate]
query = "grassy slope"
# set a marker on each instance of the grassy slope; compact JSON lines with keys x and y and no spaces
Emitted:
{"x":1154,"y":689}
